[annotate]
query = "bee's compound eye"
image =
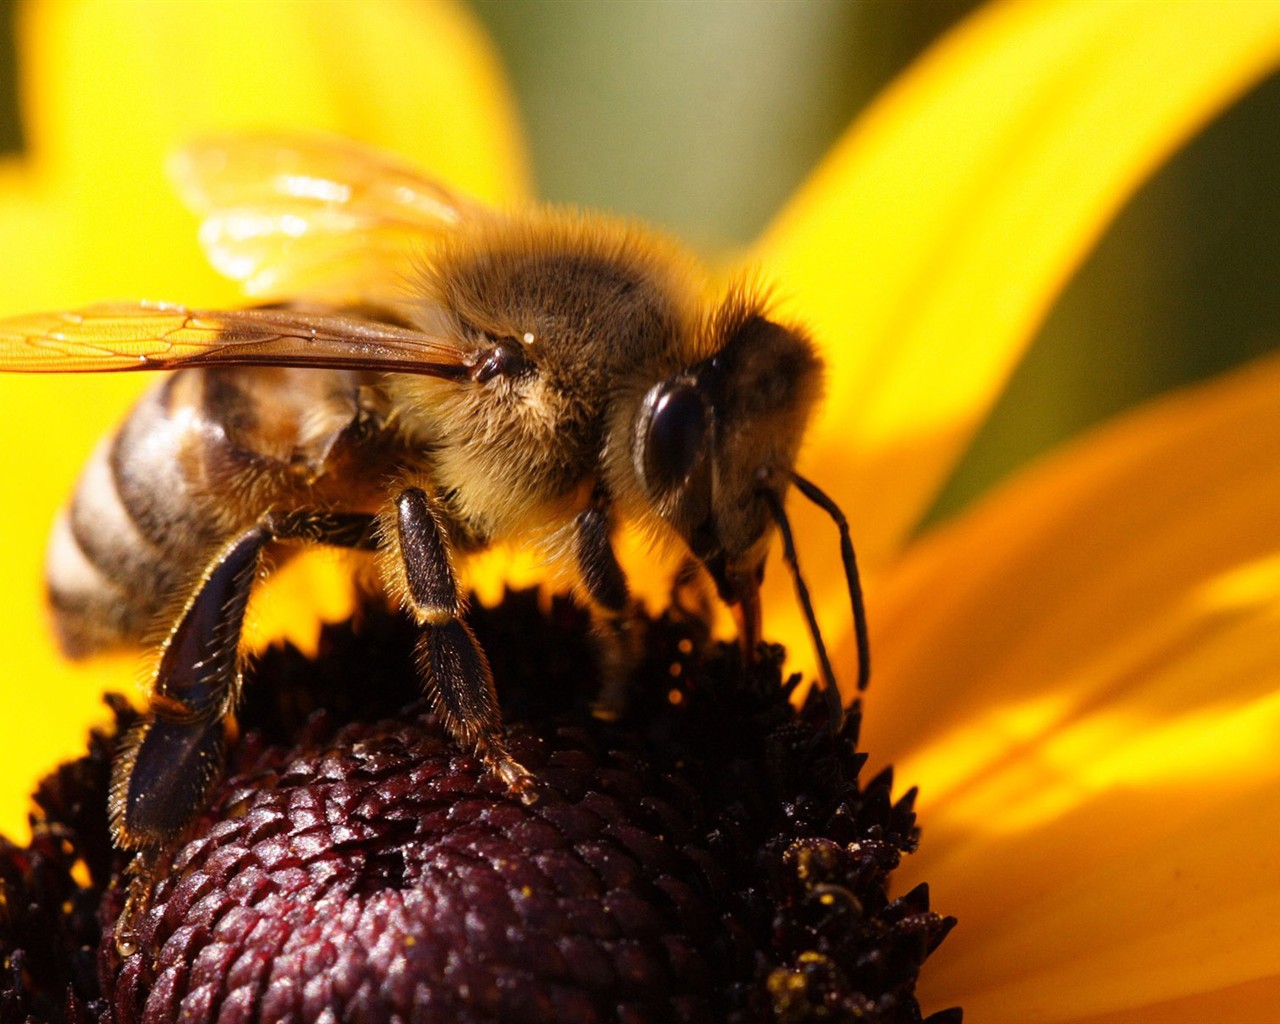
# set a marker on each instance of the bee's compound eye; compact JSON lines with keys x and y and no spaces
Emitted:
{"x":676,"y":433}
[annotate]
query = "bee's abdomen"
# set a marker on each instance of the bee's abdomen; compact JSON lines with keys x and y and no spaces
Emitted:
{"x":202,"y":456}
{"x":131,"y":536}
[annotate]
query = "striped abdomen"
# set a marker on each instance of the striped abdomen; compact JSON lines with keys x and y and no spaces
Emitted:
{"x":202,"y":456}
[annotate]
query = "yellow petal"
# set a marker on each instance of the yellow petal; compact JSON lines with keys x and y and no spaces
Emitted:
{"x":1248,"y":1003}
{"x":112,"y":89}
{"x":1082,"y":675}
{"x":927,"y":248}
{"x":1190,"y":910}
{"x":87,"y":215}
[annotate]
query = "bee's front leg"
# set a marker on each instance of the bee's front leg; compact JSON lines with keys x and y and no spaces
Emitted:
{"x":454,"y":668}
{"x":610,"y":599}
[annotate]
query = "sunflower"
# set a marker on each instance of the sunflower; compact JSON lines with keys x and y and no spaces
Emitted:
{"x":1074,"y":671}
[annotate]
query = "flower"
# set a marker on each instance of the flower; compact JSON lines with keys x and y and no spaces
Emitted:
{"x":711,"y":855}
{"x":1076,"y":670}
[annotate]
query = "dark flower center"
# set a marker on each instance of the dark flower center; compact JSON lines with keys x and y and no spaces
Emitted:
{"x":710,"y":857}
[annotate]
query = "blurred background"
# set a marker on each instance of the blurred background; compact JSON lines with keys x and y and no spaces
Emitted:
{"x":703,"y":117}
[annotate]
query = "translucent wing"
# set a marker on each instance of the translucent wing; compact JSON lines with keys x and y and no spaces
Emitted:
{"x":139,"y":336}
{"x":312,"y":215}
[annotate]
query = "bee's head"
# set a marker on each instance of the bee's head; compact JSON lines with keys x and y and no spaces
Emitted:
{"x":714,"y":446}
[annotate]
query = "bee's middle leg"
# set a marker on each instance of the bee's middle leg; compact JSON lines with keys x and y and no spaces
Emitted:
{"x":458,"y":679}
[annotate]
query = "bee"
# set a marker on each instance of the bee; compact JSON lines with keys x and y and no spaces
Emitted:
{"x":448,"y":377}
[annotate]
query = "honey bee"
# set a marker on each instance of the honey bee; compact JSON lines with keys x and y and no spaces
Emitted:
{"x":448,"y":377}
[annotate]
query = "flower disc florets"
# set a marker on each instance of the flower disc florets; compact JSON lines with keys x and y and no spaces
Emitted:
{"x":710,"y":857}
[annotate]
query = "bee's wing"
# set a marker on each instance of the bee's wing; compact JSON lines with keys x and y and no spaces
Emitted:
{"x":313,"y":216}
{"x":140,"y":336}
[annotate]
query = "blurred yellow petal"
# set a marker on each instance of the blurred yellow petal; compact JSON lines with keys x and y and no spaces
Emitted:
{"x":1082,"y":675}
{"x":112,"y":89}
{"x":1191,"y":910}
{"x":1081,"y":556}
{"x":1248,"y":1003}
{"x":87,"y":215}
{"x":927,"y":248}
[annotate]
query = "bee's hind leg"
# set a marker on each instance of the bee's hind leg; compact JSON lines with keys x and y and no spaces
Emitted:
{"x":173,"y":759}
{"x":454,"y":668}
{"x":170,"y":762}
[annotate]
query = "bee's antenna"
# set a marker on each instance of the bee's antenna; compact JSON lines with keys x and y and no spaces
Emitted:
{"x":835,"y":706}
{"x":819,"y":498}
